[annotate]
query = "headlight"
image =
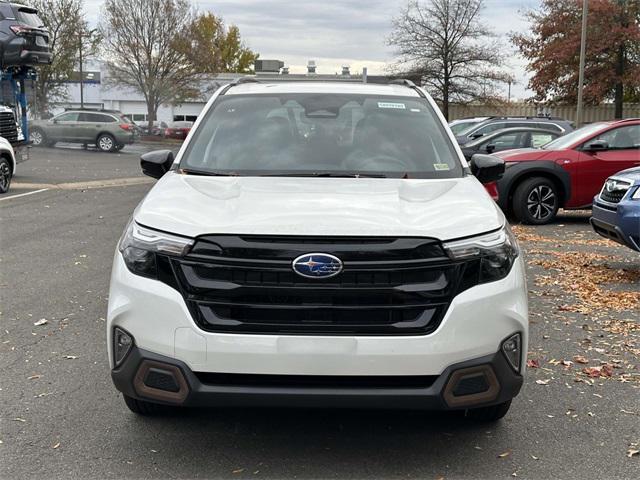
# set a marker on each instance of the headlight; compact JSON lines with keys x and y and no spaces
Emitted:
{"x":139,"y":246}
{"x":495,"y":252}
{"x":636,"y":194}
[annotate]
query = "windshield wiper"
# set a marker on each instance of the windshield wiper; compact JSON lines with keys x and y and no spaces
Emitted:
{"x":209,"y":173}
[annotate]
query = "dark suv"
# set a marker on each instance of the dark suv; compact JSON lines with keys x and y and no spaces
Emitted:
{"x":108,"y":130}
{"x":23,"y":38}
{"x":498,"y":123}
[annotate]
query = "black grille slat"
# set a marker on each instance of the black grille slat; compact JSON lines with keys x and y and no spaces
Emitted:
{"x":316,"y":381}
{"x":616,"y":195}
{"x":389,"y":286}
{"x":8,"y":128}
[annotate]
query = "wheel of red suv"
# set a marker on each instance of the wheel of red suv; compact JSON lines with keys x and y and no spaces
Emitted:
{"x":536,"y":201}
{"x":5,"y":175}
{"x":38,"y":138}
{"x":140,"y":407}
{"x":489,"y":414}
{"x":106,"y":143}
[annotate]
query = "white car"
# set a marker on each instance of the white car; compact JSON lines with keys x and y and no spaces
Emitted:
{"x":7,"y":165}
{"x":319,"y":244}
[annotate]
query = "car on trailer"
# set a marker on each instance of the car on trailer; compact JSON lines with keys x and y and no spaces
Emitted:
{"x":24,"y":39}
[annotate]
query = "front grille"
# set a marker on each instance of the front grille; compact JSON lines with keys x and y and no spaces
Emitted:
{"x":8,"y":128}
{"x":389,"y":286}
{"x":615,"y":193}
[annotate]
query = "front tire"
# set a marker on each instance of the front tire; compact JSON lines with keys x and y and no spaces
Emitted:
{"x":536,"y":201}
{"x":5,"y":175}
{"x":147,"y":409}
{"x":489,"y":414}
{"x":106,"y":143}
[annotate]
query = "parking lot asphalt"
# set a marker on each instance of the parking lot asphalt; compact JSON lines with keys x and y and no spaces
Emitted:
{"x":578,"y":415}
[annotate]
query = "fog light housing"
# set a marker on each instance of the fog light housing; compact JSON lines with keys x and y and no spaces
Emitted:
{"x":512,"y":350}
{"x":122,"y":343}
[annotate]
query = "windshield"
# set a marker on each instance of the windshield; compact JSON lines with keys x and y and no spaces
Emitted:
{"x":458,"y":128}
{"x":314,"y":133}
{"x":28,"y":16}
{"x":569,"y":139}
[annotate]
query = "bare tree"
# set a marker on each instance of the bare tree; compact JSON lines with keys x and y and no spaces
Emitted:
{"x":141,"y":37}
{"x":446,"y":46}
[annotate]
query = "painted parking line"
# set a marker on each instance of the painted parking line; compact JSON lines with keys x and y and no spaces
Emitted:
{"x":107,"y":183}
{"x":23,"y":194}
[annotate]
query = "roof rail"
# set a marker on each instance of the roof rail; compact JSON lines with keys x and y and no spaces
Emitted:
{"x":403,"y":81}
{"x":407,"y":83}
{"x":239,"y":81}
{"x":632,"y":119}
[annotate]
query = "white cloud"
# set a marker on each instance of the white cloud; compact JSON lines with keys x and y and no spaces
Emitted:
{"x":338,"y":32}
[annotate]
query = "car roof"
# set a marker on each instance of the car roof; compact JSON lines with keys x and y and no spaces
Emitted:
{"x":322,"y":87}
{"x":502,"y":131}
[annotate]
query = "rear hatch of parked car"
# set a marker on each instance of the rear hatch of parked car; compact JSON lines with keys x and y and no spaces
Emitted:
{"x":31,"y":28}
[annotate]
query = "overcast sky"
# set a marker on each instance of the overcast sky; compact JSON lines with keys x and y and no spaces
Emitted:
{"x":339,"y":32}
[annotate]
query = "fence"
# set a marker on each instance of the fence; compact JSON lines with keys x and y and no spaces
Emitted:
{"x":590,"y":114}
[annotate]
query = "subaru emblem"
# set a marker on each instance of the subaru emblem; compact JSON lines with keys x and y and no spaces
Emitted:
{"x":317,"y":265}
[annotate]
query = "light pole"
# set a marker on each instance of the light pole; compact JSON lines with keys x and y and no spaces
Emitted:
{"x":583,"y":45}
{"x":81,"y":35}
{"x":81,"y":74}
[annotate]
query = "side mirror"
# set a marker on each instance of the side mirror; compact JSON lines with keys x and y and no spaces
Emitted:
{"x":597,"y":146}
{"x":54,"y":121}
{"x":155,"y":164}
{"x":476,"y":135}
{"x":487,"y":168}
{"x":490,"y":148}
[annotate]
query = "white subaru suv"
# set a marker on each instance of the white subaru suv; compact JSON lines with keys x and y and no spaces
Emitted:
{"x":319,"y":244}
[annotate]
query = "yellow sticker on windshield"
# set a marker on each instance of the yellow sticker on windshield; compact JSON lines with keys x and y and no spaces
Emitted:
{"x":400,"y":106}
{"x":441,"y":166}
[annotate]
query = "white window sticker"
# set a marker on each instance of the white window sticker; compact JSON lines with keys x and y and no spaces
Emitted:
{"x":399,"y":106}
{"x":441,"y":166}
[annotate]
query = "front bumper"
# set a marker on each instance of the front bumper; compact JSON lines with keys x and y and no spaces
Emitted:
{"x":475,"y":323}
{"x":620,"y":224}
{"x":456,"y":388}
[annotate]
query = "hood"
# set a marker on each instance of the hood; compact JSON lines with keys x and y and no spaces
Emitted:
{"x":195,"y":205}
{"x":631,"y":174}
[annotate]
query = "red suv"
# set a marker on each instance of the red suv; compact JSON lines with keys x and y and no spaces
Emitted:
{"x":567,"y":172}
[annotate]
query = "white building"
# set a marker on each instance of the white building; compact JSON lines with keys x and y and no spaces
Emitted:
{"x":97,"y":94}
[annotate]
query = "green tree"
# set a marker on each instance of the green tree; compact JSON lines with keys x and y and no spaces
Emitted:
{"x":65,"y":21}
{"x":213,"y":48}
{"x":612,"y":63}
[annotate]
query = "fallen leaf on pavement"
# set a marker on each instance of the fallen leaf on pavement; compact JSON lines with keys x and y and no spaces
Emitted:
{"x":42,"y":321}
{"x":543,"y":382}
{"x":505,"y":454}
{"x":56,"y":445}
{"x":632,"y":451}
{"x":533,"y":363}
{"x":70,"y":357}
